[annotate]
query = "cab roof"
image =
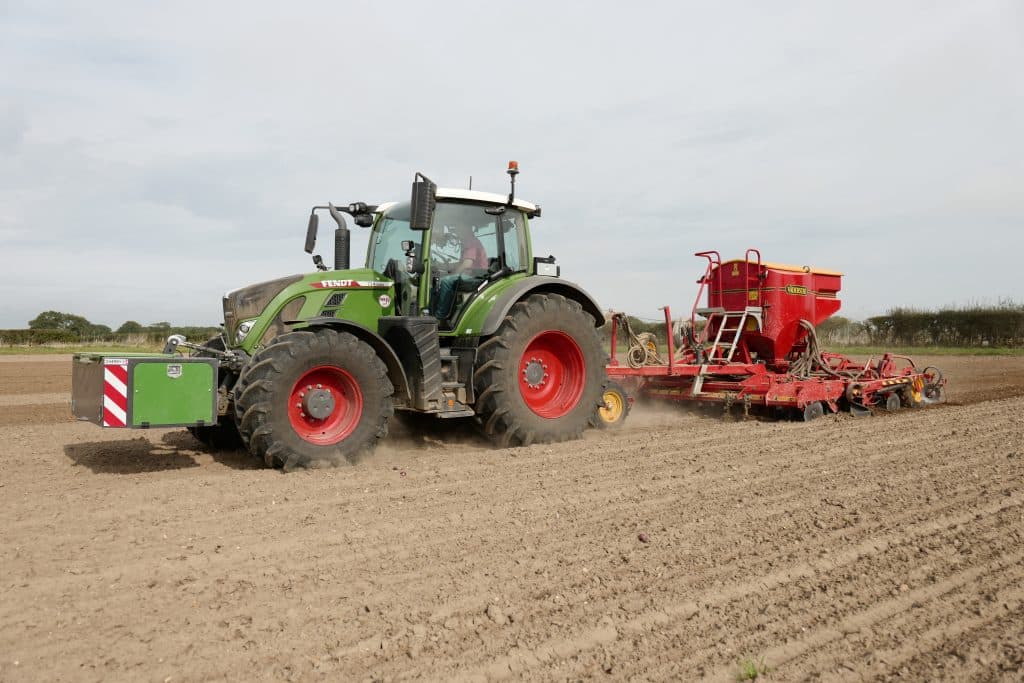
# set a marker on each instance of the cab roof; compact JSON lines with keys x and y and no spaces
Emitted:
{"x":477,"y":196}
{"x":472,"y":196}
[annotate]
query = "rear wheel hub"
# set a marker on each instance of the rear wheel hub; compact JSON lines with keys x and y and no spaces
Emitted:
{"x":552,"y":374}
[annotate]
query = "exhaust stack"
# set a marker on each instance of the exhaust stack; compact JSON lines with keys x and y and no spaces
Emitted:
{"x":342,"y":250}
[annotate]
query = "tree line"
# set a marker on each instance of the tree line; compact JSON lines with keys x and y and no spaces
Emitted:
{"x":997,"y":326}
{"x":57,"y":327}
{"x":1000,"y":326}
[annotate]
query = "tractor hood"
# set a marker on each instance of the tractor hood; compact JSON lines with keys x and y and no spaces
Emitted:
{"x":249,"y":302}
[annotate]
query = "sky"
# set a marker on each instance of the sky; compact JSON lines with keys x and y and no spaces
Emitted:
{"x":156,"y":155}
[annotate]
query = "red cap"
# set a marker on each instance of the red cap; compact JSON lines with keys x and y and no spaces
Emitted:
{"x":513,"y":165}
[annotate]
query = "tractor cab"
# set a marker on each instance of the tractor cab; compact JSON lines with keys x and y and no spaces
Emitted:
{"x":467,"y":241}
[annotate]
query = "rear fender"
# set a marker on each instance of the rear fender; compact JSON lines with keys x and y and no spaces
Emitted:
{"x":538,"y":284}
{"x":396,"y":373}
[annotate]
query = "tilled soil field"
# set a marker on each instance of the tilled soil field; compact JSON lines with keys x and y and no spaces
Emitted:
{"x":889,"y":547}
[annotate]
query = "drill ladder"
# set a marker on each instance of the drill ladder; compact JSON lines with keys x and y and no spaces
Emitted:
{"x":730,"y":328}
{"x":727,"y":338}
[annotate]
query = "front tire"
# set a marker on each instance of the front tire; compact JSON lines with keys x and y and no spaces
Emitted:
{"x":314,"y":399}
{"x":540,"y":377}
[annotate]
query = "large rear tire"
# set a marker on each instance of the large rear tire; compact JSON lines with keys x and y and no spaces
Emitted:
{"x":540,"y":377}
{"x":313,"y":399}
{"x":222,"y":436}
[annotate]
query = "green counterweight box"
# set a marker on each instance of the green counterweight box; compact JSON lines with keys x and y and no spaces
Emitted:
{"x":142,"y":391}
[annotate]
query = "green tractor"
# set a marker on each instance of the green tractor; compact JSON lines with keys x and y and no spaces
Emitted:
{"x":452,"y":316}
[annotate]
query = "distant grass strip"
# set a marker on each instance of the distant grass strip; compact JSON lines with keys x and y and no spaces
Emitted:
{"x":51,"y":349}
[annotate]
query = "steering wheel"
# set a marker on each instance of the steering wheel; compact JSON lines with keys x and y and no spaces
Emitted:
{"x":442,"y":263}
{"x":442,"y":257}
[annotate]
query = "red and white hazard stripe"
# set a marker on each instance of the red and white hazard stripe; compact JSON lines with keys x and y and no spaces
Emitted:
{"x":115,"y":393}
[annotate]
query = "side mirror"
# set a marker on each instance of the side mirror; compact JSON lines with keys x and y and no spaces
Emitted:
{"x":424,"y":199}
{"x":314,"y":220}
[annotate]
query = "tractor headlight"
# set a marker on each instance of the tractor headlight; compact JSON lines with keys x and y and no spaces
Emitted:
{"x":243,"y":330}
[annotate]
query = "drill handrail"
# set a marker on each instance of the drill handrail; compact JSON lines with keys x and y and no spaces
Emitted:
{"x":714,"y":260}
{"x":757,"y":274}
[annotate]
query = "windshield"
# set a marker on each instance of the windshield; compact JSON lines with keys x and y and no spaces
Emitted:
{"x":387,"y":237}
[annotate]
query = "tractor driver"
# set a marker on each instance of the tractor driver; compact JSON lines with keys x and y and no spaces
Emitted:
{"x":472,"y":257}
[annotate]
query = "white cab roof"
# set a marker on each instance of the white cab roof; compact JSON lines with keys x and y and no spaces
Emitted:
{"x":476,"y":196}
{"x":470,"y":195}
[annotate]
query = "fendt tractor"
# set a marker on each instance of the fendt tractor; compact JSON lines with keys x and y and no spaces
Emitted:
{"x":452,"y":316}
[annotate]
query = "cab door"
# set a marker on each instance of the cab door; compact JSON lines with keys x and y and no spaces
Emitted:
{"x":386,"y":254}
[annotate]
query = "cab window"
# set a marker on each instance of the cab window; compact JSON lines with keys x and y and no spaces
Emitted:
{"x":386,"y":240}
{"x":456,"y":224}
{"x":512,"y":222}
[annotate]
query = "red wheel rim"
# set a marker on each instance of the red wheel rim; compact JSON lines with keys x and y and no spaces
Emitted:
{"x":552,"y":374}
{"x":325,"y":405}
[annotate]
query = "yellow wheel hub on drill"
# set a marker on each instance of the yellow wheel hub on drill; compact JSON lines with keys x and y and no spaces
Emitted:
{"x":916,"y":393}
{"x":614,"y":406}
